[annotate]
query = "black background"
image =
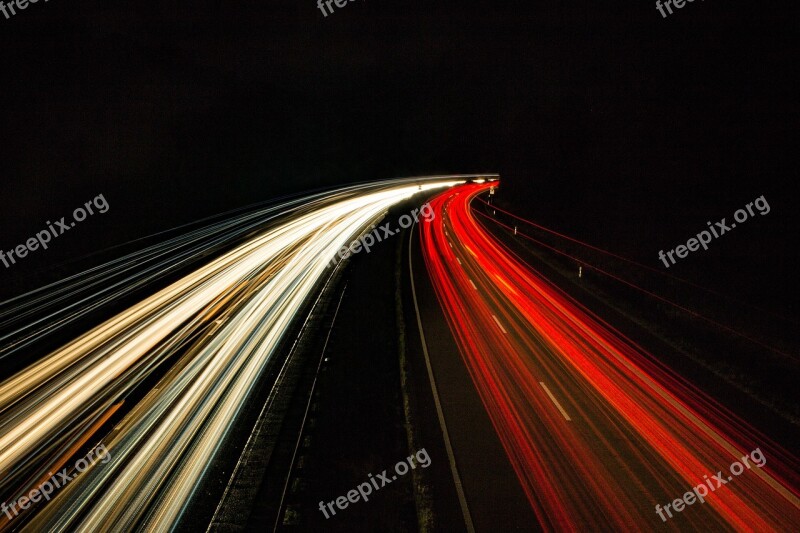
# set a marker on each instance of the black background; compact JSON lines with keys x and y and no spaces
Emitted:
{"x":605,"y":120}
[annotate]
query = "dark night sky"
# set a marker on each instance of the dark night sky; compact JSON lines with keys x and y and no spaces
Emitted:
{"x":606,"y":121}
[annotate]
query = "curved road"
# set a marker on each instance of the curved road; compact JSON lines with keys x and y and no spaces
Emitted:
{"x":598,"y":432}
{"x":205,"y":340}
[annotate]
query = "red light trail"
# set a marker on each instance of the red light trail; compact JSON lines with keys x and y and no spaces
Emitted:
{"x":596,"y":429}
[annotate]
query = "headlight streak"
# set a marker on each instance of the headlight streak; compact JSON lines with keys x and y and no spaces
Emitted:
{"x":97,"y":286}
{"x":162,"y":447}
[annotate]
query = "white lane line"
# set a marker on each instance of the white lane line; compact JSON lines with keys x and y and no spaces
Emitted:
{"x":308,"y":410}
{"x":473,"y":285}
{"x":553,"y":398}
{"x":462,"y":499}
{"x":450,"y":243}
{"x":459,"y":260}
{"x":499,"y":324}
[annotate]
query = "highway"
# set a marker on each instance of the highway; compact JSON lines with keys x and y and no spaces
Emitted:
{"x":592,"y":430}
{"x":598,"y":432}
{"x":204,"y":340}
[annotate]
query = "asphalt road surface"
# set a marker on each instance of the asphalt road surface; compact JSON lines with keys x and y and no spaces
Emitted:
{"x":597,"y":431}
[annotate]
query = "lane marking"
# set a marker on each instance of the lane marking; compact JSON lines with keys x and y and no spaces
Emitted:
{"x":553,"y":398}
{"x":462,"y":499}
{"x":473,"y":285}
{"x":305,"y":415}
{"x":459,"y":260}
{"x":234,"y":482}
{"x":500,"y":325}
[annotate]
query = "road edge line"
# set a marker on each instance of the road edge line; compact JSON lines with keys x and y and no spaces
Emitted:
{"x":439,"y":412}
